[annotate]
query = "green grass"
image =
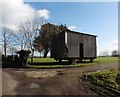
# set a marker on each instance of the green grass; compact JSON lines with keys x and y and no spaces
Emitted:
{"x":42,"y":60}
{"x":99,"y":60}
{"x":106,"y":59}
{"x":105,"y":77}
{"x":59,"y":66}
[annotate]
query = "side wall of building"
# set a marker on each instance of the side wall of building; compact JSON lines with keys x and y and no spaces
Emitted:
{"x":89,"y":46}
{"x":73,"y":45}
{"x":81,"y":43}
{"x":73,"y":41}
{"x":58,"y":46}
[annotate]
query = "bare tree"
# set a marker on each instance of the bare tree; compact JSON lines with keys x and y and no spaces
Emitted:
{"x":12,"y":50}
{"x":21,"y":36}
{"x":7,"y":35}
{"x":27,"y":33}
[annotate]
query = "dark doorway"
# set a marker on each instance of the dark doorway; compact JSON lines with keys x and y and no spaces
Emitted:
{"x":81,"y":50}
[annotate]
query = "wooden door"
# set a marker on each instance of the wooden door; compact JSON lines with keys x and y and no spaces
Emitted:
{"x":81,"y":51}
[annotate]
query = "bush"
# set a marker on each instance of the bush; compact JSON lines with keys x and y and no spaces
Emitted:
{"x":3,"y":58}
{"x":9,"y":58}
{"x":23,"y":55}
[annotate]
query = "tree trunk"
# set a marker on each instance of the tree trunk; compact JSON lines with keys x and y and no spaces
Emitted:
{"x":32,"y":56}
{"x":45,"y":54}
{"x":40,"y":54}
{"x":5,"y":49}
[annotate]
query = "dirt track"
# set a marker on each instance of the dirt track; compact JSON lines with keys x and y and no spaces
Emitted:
{"x":66,"y":81}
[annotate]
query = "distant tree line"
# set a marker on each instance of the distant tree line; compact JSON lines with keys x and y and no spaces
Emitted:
{"x":114,"y":53}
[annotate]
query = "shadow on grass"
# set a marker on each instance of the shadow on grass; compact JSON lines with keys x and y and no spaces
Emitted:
{"x":54,"y":63}
{"x":17,"y":64}
{"x":10,"y":65}
{"x":48,"y":63}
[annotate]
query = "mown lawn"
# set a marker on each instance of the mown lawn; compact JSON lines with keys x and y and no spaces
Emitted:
{"x":98,"y":60}
{"x":106,"y":59}
{"x":42,"y":60}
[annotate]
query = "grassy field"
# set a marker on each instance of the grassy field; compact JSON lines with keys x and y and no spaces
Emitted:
{"x":105,"y":81}
{"x":106,"y":59}
{"x":42,"y":60}
{"x":105,"y":77}
{"x":99,"y":60}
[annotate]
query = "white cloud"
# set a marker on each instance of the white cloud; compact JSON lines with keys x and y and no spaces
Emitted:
{"x":114,"y":45}
{"x":110,"y":47}
{"x":43,"y":13}
{"x":15,"y":12}
{"x":72,"y":27}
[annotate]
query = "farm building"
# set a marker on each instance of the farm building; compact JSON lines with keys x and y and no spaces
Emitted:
{"x":71,"y":45}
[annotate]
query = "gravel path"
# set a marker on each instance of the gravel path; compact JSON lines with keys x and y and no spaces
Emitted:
{"x":64,"y":81}
{"x":8,"y":84}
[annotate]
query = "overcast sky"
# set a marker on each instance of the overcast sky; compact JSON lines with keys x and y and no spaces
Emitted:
{"x":99,"y":19}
